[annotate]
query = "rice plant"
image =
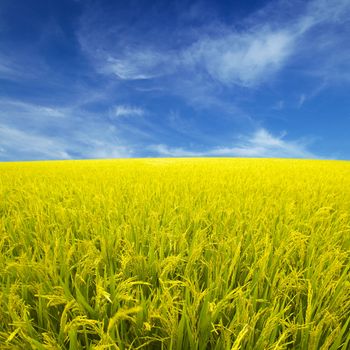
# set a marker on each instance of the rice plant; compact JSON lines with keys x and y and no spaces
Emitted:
{"x":175,"y":254}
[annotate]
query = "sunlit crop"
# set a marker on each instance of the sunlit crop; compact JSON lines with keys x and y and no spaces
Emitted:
{"x":175,"y":254}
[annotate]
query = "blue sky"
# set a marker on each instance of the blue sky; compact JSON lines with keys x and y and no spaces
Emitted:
{"x":110,"y":79}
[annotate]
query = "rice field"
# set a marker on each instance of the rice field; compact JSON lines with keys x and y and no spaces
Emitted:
{"x":175,"y":254}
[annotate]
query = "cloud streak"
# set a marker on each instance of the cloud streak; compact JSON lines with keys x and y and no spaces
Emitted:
{"x":257,"y":145}
{"x":126,"y":111}
{"x":29,"y":145}
{"x":9,"y":106}
{"x":243,"y":59}
{"x":231,"y":57}
{"x":30,"y":131}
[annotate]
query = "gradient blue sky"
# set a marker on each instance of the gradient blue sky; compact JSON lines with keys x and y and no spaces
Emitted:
{"x":106,"y":79}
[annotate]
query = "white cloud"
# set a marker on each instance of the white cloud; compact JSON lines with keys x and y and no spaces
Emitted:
{"x":302,"y":99}
{"x":278,"y":106}
{"x":252,"y":56}
{"x":17,"y":144}
{"x":224,"y":55}
{"x":259,"y":144}
{"x":235,"y":58}
{"x":30,"y":145}
{"x":10,"y":69}
{"x":103,"y":149}
{"x":311,"y":94}
{"x":19,"y":66}
{"x":22,"y":108}
{"x":263,"y":144}
{"x":138,"y":64}
{"x":29,"y":131}
{"x":323,"y":11}
{"x":243,"y":59}
{"x":166,"y":151}
{"x":125,"y":111}
{"x":5,"y":69}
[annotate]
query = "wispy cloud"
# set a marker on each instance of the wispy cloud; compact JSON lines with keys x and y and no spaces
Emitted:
{"x":320,"y":11}
{"x":245,"y":57}
{"x":138,"y":65}
{"x":261,"y":143}
{"x":10,"y":106}
{"x":126,"y":111}
{"x":10,"y":69}
{"x":5,"y":68}
{"x":19,"y":144}
{"x":100,"y":148}
{"x":18,"y":65}
{"x":29,"y":131}
{"x":279,"y":105}
{"x":301,"y":100}
{"x":304,"y":97}
{"x":166,"y":151}
{"x":26,"y":145}
{"x":241,"y":58}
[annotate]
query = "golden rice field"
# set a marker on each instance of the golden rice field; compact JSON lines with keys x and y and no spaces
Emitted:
{"x":175,"y":254}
